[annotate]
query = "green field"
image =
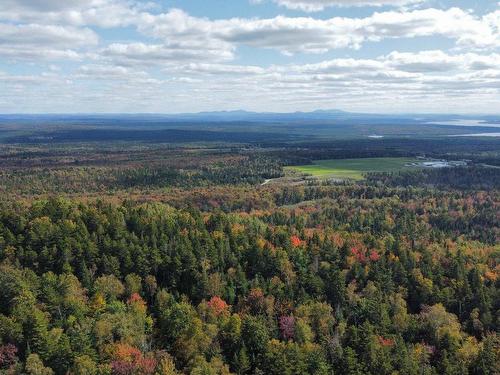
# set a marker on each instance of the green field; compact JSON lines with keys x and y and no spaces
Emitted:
{"x":352,"y":168}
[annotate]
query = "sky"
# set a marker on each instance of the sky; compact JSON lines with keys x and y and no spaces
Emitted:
{"x":162,"y":56}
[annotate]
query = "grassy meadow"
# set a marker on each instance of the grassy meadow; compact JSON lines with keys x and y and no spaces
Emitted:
{"x":352,"y":168}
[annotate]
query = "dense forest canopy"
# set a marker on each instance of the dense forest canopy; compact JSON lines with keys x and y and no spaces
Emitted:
{"x":209,"y":259}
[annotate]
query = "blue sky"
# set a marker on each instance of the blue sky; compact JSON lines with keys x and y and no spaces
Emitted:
{"x":167,"y":56}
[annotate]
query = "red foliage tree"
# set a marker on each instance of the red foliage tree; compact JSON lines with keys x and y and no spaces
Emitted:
{"x":218,"y":305}
{"x":358,"y":254}
{"x":385,"y":342}
{"x":137,"y":302}
{"x":129,"y":360}
{"x":374,"y":256}
{"x":296,"y":241}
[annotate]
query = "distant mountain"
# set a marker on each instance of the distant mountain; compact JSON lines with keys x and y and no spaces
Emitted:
{"x":320,"y":115}
{"x":217,"y":116}
{"x":241,"y":115}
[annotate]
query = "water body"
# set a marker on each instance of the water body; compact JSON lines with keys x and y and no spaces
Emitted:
{"x":466,"y":123}
{"x":477,"y":135}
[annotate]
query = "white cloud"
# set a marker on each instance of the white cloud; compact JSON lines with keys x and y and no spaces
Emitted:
{"x":437,"y":61}
{"x":45,"y":5}
{"x":57,"y":36}
{"x":32,"y":41}
{"x":416,"y":77}
{"x":177,"y":62}
{"x":219,"y":69}
{"x":425,"y":61}
{"x":14,"y":53}
{"x":319,"y":5}
{"x":286,"y":34}
{"x":161,"y":54}
{"x":108,"y":72}
{"x":102,"y":13}
{"x":305,"y":34}
{"x":417,"y":81}
{"x":186,"y":37}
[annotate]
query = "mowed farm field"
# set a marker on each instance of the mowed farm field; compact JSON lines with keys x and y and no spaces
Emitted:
{"x":353,"y":168}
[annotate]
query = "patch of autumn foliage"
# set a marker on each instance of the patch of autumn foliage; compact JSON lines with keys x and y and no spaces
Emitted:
{"x":490,"y":275}
{"x":218,"y":305}
{"x":98,"y":302}
{"x":128,"y":360}
{"x":137,"y":303}
{"x":374,"y":256}
{"x":337,"y":239}
{"x":360,"y":255}
{"x":385,"y":342}
{"x":296,"y":241}
{"x":237,"y":228}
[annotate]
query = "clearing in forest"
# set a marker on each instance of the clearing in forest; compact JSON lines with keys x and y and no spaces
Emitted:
{"x":353,"y":168}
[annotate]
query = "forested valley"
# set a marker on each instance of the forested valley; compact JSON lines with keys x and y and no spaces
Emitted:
{"x":210,"y":259}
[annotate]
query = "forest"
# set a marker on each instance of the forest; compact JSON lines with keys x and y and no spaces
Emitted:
{"x":207,"y":258}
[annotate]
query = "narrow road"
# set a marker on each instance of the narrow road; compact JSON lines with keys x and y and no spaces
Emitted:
{"x":266,"y":182}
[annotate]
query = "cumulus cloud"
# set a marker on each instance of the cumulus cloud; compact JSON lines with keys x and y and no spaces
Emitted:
{"x":57,"y":36}
{"x":182,"y":36}
{"x":34,"y":41}
{"x":437,"y":61}
{"x":46,"y":5}
{"x":96,"y":71}
{"x":102,"y":13}
{"x":219,"y":69}
{"x":286,"y":34}
{"x":161,"y":54}
{"x":397,"y":75}
{"x":319,"y":5}
{"x":425,"y":61}
{"x":424,"y":78}
{"x":171,"y":60}
{"x":305,"y":34}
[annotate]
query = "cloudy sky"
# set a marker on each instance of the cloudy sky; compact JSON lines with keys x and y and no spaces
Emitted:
{"x":262,"y":55}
